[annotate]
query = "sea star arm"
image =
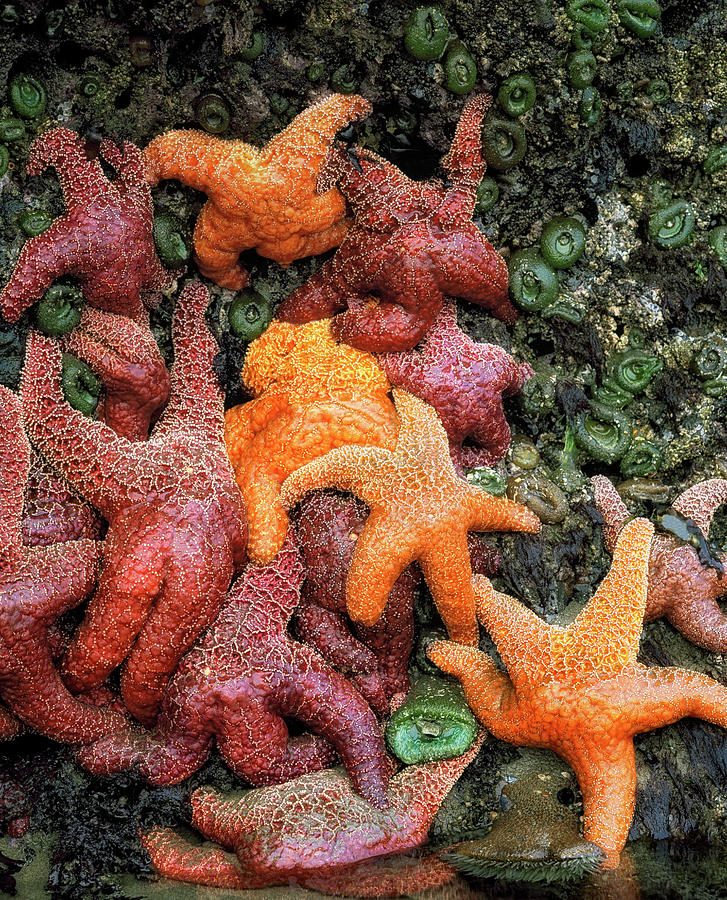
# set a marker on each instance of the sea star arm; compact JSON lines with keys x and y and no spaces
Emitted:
{"x":174,"y":857}
{"x":44,"y":258}
{"x":196,"y":397}
{"x":64,"y":575}
{"x":489,"y":691}
{"x":125,"y":356}
{"x":609,"y":503}
{"x":447,"y":571}
{"x":90,"y":455}
{"x":701,"y":501}
{"x":128,"y":161}
{"x":321,"y":297}
{"x":465,"y":164}
{"x":343,"y":467}
{"x":217,"y":247}
{"x":195,"y":158}
{"x":606,"y":633}
{"x":700,"y":620}
{"x":82,"y":179}
{"x":488,"y":513}
{"x":15,"y":465}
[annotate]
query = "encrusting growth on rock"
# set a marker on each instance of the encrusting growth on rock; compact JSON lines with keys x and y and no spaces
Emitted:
{"x":579,"y":690}
{"x":262,"y":199}
{"x":177,"y":530}
{"x":104,"y":238}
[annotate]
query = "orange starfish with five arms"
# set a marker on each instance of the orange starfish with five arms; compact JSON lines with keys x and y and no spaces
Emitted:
{"x":420,"y":510}
{"x":260,"y":199}
{"x":579,"y":690}
{"x":312,"y":394}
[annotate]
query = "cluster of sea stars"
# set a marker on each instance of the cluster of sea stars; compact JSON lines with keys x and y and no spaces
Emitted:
{"x":227,"y":609}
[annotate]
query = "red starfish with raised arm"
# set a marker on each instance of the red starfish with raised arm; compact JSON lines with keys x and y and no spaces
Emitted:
{"x":411,"y":244}
{"x":37,"y":585}
{"x":244,"y":675}
{"x":177,"y":529}
{"x":105,"y":237}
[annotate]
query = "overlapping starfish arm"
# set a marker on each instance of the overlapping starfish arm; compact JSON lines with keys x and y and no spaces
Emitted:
{"x":15,"y":457}
{"x":104,"y":238}
{"x":612,"y":508}
{"x":465,"y":164}
{"x":293,"y":831}
{"x":126,"y":358}
{"x":701,"y":501}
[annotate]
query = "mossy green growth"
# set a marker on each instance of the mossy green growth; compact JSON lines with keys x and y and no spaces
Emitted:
{"x":591,"y":14}
{"x":581,"y":68}
{"x":640,"y":17}
{"x":254,"y":46}
{"x":590,"y":106}
{"x":658,"y":90}
{"x":533,"y":283}
{"x":672,"y":226}
{"x":603,"y":433}
{"x":81,"y":387}
{"x":563,"y":242}
{"x":460,"y":69}
{"x":249,"y":315}
{"x":433,"y":723}
{"x":504,"y":143}
{"x":4,"y":159}
{"x":489,"y":479}
{"x":488,"y":193}
{"x":517,"y":94}
{"x":27,"y":96}
{"x":171,"y":239}
{"x":426,"y":33}
{"x":718,"y":242}
{"x":35,"y":221}
{"x":715,"y":160}
{"x":11,"y":129}
{"x":59,"y":310}
{"x":642,"y":458}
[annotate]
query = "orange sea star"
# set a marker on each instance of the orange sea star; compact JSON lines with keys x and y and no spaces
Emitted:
{"x":262,"y":199}
{"x":579,"y":690}
{"x":420,"y":510}
{"x":314,"y":394}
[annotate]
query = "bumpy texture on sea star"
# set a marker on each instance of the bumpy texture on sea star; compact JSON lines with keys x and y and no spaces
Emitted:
{"x":306,"y":831}
{"x":176,"y":519}
{"x":104,"y":238}
{"x":313,"y":394}
{"x":243,"y":676}
{"x":262,"y":199}
{"x":328,"y":526}
{"x":465,"y":382}
{"x":37,"y":585}
{"x":681,"y":587}
{"x":579,"y":690}
{"x":52,"y":511}
{"x":411,"y":244}
{"x":126,"y":358}
{"x":420,"y":510}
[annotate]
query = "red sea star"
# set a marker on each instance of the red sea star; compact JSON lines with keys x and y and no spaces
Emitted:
{"x":262,"y":199}
{"x":243,"y":676}
{"x":681,"y":587}
{"x":126,"y":358}
{"x":411,"y":244}
{"x":420,"y":510}
{"x":329,"y":526}
{"x":177,"y":531}
{"x":104,"y":238}
{"x":579,"y":690}
{"x":37,"y":585}
{"x":465,"y":383}
{"x":308,"y":831}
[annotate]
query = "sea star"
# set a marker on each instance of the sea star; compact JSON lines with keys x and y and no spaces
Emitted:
{"x":411,"y":244}
{"x":314,"y":394}
{"x":309,"y":831}
{"x":579,"y":690}
{"x":176,"y":520}
{"x":465,"y":382}
{"x":52,"y":511}
{"x":37,"y":585}
{"x":262,"y":199}
{"x":105,"y":237}
{"x":236,"y":685}
{"x":681,"y":587}
{"x":126,"y":358}
{"x":420,"y":510}
{"x":328,"y":526}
